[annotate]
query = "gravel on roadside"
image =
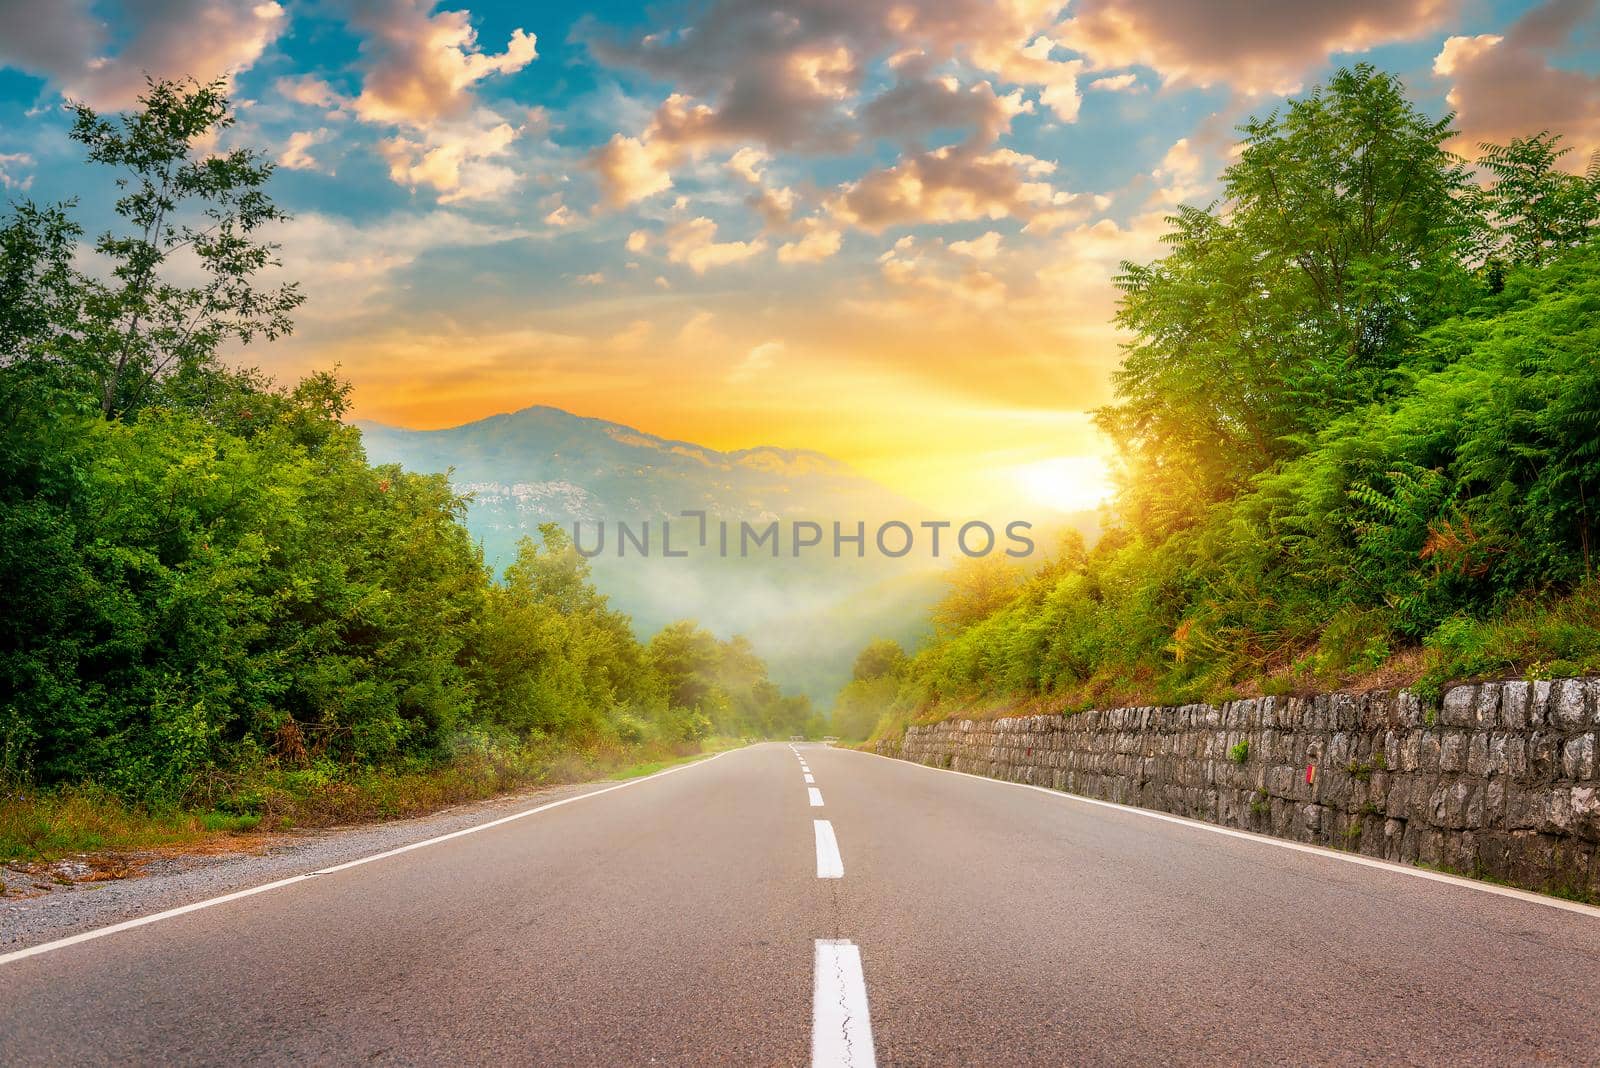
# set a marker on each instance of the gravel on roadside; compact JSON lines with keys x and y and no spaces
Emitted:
{"x":57,"y":905}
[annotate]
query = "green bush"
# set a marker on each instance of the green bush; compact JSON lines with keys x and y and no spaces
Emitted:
{"x":1343,"y":449}
{"x":208,"y":596}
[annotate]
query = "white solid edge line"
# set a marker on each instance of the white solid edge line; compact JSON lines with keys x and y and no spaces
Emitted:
{"x":830,"y":865}
{"x":810,"y":777}
{"x":815,"y":795}
{"x":155,"y":917}
{"x":1262,"y":839}
{"x":841,"y":1027}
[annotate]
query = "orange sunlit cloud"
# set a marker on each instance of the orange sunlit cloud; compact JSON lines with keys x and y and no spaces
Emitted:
{"x":887,"y":231}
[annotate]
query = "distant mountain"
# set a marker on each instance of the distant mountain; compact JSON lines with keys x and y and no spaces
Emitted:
{"x":567,"y":467}
{"x":808,"y":616}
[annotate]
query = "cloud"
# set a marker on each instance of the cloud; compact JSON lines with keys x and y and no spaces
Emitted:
{"x":311,"y":91}
{"x":758,"y":360}
{"x":1459,"y":51}
{"x":103,"y":61}
{"x":986,"y":247}
{"x":775,"y":79}
{"x":1504,"y":86}
{"x":775,"y":206}
{"x":296,"y":155}
{"x":458,"y":161}
{"x":1180,"y":171}
{"x":419,"y":72}
{"x":56,"y":40}
{"x":420,"y":66}
{"x":747,"y":163}
{"x":918,"y":103}
{"x":1255,"y":47}
{"x":1058,"y":79}
{"x":1117,"y":83}
{"x":800,"y":77}
{"x":345,"y":267}
{"x":938,"y":272}
{"x":698,"y":331}
{"x":694,"y":243}
{"x":818,"y":241}
{"x":630,"y":170}
{"x":11,"y":164}
{"x":954,"y":184}
{"x":594,"y":278}
{"x":793,"y":78}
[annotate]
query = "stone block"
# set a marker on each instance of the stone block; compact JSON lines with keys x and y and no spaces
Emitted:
{"x":1452,"y":751}
{"x":1344,"y":712}
{"x":1478,"y":755}
{"x":1458,"y":805}
{"x":1486,"y":708}
{"x":1456,"y":709}
{"x":1393,"y":834}
{"x":1544,"y":752}
{"x":1585,"y":805}
{"x":1568,"y":706}
{"x":1514,"y":699}
{"x":1539,"y":703}
{"x":1578,"y":757}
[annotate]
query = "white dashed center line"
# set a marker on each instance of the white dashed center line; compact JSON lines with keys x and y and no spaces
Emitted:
{"x":816,"y":796}
{"x":830,"y":865}
{"x":841,"y":1030}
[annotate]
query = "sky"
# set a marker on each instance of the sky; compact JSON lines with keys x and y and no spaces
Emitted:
{"x":882,"y":229}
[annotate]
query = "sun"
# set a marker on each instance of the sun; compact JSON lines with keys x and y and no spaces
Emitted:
{"x":1065,"y":483}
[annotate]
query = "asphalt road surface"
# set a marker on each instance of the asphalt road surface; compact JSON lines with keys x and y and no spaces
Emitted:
{"x":734,"y":911}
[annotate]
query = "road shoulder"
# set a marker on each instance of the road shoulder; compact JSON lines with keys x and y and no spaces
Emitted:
{"x":169,"y":879}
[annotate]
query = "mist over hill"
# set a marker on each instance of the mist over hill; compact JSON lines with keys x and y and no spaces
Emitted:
{"x":806,"y":615}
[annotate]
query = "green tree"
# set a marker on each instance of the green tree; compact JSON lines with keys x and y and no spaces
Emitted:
{"x":201,"y":575}
{"x":1342,"y":434}
{"x":974,"y":588}
{"x":873,"y":687}
{"x":881,"y":657}
{"x":1342,"y":235}
{"x":184,"y":207}
{"x":1537,"y":208}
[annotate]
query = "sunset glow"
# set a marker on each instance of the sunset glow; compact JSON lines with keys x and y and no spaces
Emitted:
{"x":1066,"y":483}
{"x":881,"y":233}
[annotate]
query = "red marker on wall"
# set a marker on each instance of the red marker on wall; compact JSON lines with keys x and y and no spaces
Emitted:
{"x":1311,"y":773}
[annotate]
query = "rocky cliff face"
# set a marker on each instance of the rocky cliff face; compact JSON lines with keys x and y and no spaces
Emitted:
{"x":1499,"y":780}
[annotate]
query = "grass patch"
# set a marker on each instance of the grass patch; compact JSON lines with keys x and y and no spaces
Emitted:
{"x":43,"y":826}
{"x":711,"y":747}
{"x":46,"y":825}
{"x":1537,"y":636}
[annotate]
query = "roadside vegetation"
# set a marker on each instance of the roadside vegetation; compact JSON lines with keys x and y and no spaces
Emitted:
{"x":215,"y":614}
{"x":1358,"y":424}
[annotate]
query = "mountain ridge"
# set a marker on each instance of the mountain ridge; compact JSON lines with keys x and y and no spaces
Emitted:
{"x":807,"y":616}
{"x":625,"y":434}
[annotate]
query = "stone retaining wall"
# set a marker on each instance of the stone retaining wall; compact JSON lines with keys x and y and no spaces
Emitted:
{"x":1499,"y":780}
